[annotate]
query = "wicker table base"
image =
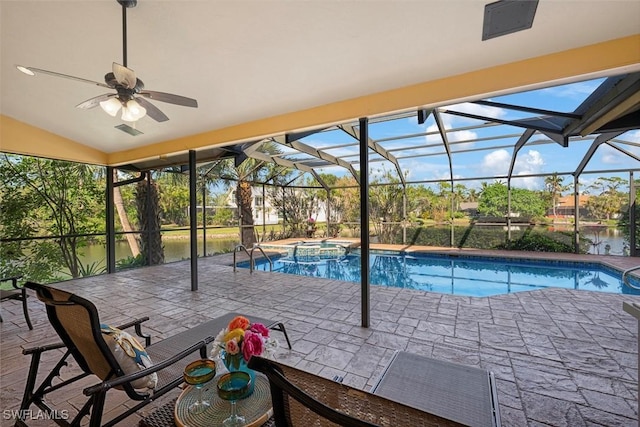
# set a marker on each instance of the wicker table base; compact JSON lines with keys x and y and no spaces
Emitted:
{"x":161,"y":417}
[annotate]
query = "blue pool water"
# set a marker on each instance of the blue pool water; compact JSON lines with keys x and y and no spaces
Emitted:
{"x":470,"y":276}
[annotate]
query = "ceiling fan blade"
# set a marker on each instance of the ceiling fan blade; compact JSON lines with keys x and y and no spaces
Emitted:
{"x":66,"y":76}
{"x":125,"y":76}
{"x":170,"y":98}
{"x":94,"y":102}
{"x":152,"y":111}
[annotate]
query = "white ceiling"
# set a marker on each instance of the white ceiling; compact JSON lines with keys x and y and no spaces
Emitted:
{"x":247,"y":60}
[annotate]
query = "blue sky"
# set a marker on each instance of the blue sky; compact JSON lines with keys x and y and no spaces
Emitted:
{"x":491,"y":156}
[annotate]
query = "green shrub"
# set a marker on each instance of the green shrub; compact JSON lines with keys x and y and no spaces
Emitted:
{"x":493,"y":237}
{"x":542,"y":242}
{"x":130,"y":262}
{"x":464,"y":236}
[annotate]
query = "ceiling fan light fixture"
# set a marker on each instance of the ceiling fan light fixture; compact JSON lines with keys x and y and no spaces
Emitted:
{"x":133,"y":111}
{"x":26,"y":70}
{"x":111,"y":106}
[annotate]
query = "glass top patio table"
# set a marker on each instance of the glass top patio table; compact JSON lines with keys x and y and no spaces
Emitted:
{"x":255,"y":408}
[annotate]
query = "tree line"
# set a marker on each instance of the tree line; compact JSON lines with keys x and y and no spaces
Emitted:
{"x":50,"y":210}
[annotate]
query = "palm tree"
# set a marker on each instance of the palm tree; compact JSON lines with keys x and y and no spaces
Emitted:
{"x":148,"y":207}
{"x":610,"y":200}
{"x":124,"y":219}
{"x":554,"y":186}
{"x":472,"y":195}
{"x":483,"y":187}
{"x":459,"y":194}
{"x":245,"y":174}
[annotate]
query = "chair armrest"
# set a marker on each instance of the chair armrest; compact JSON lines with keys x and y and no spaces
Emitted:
{"x":14,"y":281}
{"x":136,"y":323}
{"x":106,"y":385}
{"x":133,"y":323}
{"x":42,"y":349}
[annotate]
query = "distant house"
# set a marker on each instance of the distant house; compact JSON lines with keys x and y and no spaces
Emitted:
{"x":270,"y":215}
{"x":469,"y":208}
{"x":566,"y":206}
{"x":261,"y":207}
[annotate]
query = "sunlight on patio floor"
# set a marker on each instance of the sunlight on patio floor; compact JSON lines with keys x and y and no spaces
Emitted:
{"x":561,"y":357}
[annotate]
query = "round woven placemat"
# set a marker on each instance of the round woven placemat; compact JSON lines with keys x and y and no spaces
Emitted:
{"x":256,"y":408}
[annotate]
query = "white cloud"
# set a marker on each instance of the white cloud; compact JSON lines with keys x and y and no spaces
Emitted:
{"x":463,"y":135}
{"x":465,"y":107}
{"x":413,"y":119}
{"x":611,"y":156}
{"x":446,"y":176}
{"x":343,"y":151}
{"x":575,"y":90}
{"x":632,"y":136}
{"x":433,"y":139}
{"x":497,"y":163}
{"x":529,"y":163}
{"x":478,"y":110}
{"x":419,"y":169}
{"x":450,"y":121}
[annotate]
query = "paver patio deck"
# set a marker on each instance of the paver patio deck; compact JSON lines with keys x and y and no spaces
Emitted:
{"x":561,"y":357}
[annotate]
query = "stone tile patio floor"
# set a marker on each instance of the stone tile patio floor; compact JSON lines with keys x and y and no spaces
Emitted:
{"x":561,"y":357}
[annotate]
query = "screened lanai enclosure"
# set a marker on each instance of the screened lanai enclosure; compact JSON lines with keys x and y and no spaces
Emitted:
{"x":548,"y":169}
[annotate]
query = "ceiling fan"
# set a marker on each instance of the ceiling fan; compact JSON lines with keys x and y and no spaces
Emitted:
{"x":130,"y":96}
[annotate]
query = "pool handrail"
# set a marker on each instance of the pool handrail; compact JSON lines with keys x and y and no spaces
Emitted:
{"x":252,"y":261}
{"x":235,"y":251}
{"x":625,"y":274}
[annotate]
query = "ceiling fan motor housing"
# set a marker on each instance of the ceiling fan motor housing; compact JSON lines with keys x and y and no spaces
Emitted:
{"x":111,"y":81}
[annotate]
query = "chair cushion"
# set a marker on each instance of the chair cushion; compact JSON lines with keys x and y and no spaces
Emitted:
{"x":130,"y":355}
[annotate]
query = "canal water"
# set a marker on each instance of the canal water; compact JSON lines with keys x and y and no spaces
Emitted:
{"x":174,"y":250}
{"x":605,"y":241}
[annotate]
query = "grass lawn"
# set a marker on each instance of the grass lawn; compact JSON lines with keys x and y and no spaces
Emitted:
{"x":170,"y":231}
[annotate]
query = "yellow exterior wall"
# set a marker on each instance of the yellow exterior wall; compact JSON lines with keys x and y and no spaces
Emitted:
{"x":21,"y":138}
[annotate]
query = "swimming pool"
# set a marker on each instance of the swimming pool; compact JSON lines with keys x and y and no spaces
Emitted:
{"x":457,"y":275}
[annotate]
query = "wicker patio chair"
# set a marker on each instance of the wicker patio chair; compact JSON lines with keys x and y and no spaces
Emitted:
{"x":303,"y":399}
{"x":75,"y":320}
{"x":18,"y":293}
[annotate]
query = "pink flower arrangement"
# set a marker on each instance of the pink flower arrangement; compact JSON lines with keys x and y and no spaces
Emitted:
{"x":242,"y":338}
{"x":252,"y":345}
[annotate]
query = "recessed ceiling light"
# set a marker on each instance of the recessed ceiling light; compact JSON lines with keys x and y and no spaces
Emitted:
{"x":25,"y":70}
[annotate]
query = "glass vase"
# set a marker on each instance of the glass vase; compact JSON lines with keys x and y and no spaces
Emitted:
{"x":235,"y":363}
